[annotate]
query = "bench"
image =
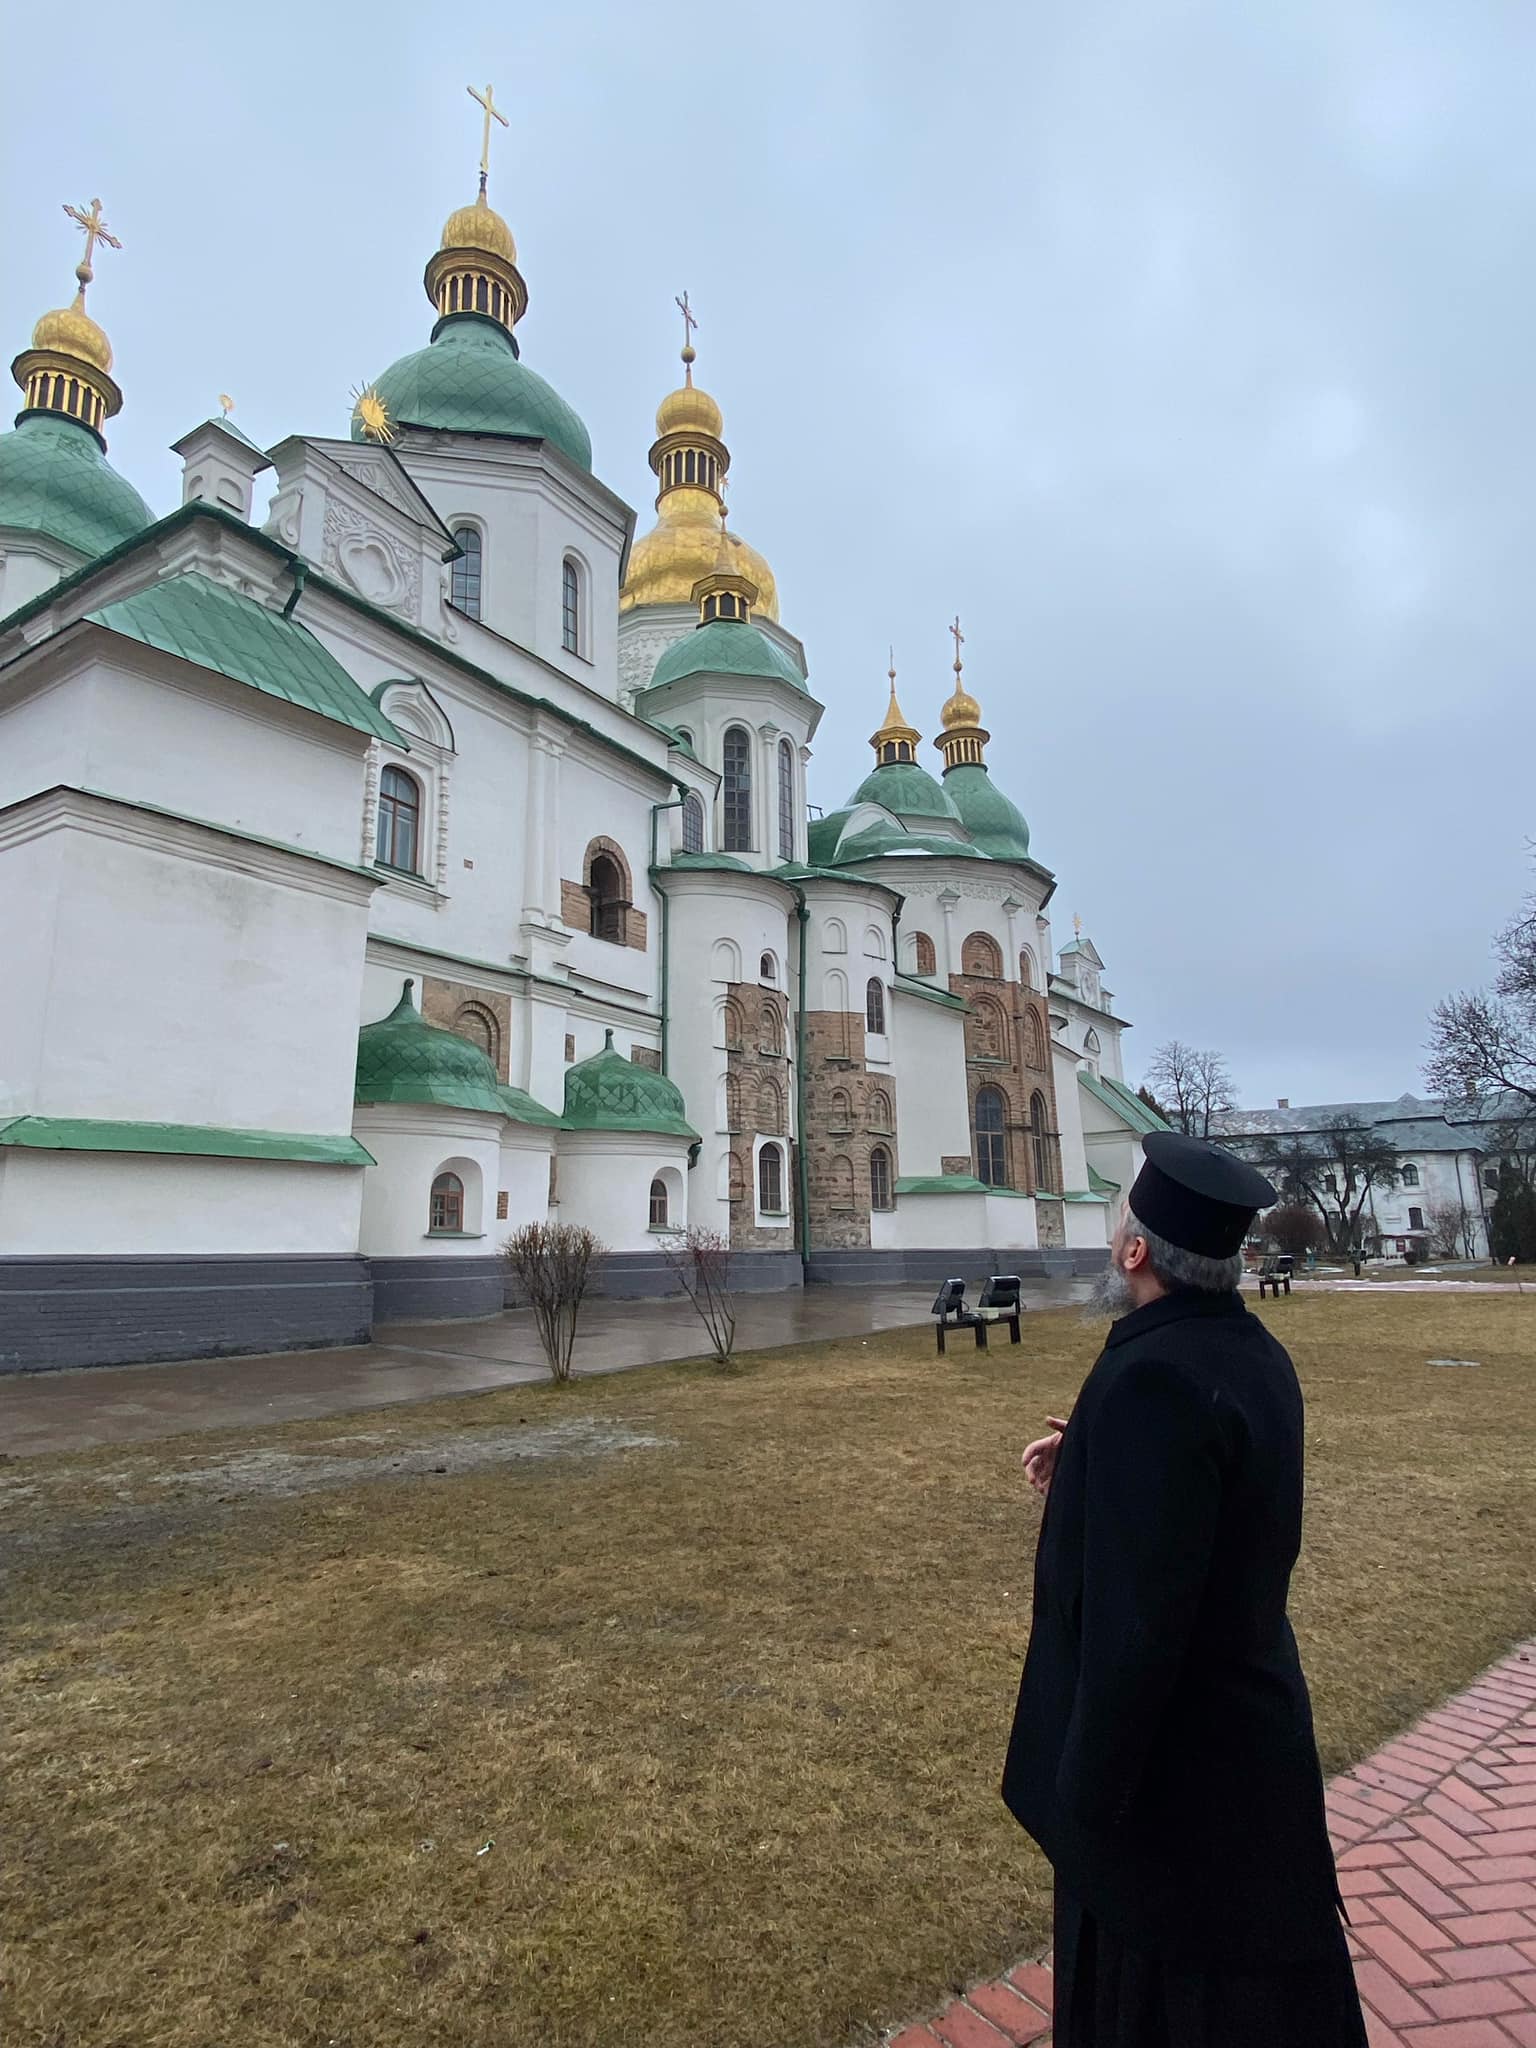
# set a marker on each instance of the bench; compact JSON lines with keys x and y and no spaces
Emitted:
{"x":953,"y":1314}
{"x":999,"y":1303}
{"x":1275,"y":1273}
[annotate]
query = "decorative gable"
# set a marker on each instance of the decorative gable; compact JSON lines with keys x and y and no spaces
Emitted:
{"x":354,"y":512}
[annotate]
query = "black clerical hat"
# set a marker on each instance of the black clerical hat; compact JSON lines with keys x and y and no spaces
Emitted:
{"x":1197,"y":1196}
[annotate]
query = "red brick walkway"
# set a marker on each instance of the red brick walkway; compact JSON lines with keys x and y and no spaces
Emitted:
{"x":1436,"y":1842}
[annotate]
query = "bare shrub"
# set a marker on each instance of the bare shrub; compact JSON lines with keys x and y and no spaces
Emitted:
{"x":1295,"y":1229}
{"x":1447,"y":1230}
{"x":553,"y":1264}
{"x":701,"y":1260}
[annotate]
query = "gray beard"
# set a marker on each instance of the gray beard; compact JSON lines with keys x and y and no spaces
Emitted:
{"x":1111,"y":1294}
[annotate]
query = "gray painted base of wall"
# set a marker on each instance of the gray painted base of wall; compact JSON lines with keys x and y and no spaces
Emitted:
{"x":107,"y":1310}
{"x":430,"y":1290}
{"x":912,"y":1266}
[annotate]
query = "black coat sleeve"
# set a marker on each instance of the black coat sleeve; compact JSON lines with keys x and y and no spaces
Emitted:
{"x":1152,"y":1497}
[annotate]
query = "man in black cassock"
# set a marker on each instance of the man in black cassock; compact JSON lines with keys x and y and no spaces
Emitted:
{"x":1162,"y":1752}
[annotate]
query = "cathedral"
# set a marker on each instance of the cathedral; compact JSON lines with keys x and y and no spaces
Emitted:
{"x":424,"y":853}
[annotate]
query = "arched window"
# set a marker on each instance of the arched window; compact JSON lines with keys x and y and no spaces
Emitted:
{"x":768,"y":969}
{"x":1026,"y":967}
{"x":447,"y":1212}
{"x":924,"y":960}
{"x":399,"y":834}
{"x":605,"y":889}
{"x":693,"y":823}
{"x":874,"y":1006}
{"x":480,"y":1028}
{"x":736,"y":1180}
{"x":770,"y":1180}
{"x":1091,"y":1042}
{"x":658,"y":1205}
{"x":770,"y":1108}
{"x":786,"y":801}
{"x":1410,"y":1176}
{"x":1040,"y":1139}
{"x":1034,"y":1040}
{"x":732,"y":1022}
{"x":770,"y":1036}
{"x":991,"y":1138}
{"x":981,"y":955}
{"x":840,"y":1110}
{"x":570,"y":606}
{"x":736,"y":790}
{"x":879,"y":1178}
{"x":840,"y":1182}
{"x":880,"y":1111}
{"x":465,"y":588}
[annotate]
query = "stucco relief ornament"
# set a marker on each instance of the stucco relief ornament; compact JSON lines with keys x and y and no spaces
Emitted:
{"x":376,"y":564}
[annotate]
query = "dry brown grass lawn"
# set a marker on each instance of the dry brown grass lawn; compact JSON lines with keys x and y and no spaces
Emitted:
{"x":730,"y":1706}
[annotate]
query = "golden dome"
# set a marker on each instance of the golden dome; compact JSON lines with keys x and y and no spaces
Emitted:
{"x":479,"y":226}
{"x":960,"y":708}
{"x":684,"y":547}
{"x":689,"y":410}
{"x":896,"y":738}
{"x":70,"y":331}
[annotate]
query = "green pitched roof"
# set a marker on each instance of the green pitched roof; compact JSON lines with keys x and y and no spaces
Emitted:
{"x":1098,"y":1184}
{"x":403,"y":1058}
{"x":1127,"y":1106}
{"x":995,"y":824}
{"x":910,"y":985}
{"x":830,"y":844}
{"x":945,"y":1184}
{"x":725,"y":647}
{"x":610,"y":1093}
{"x":906,"y":790}
{"x":709,"y":860}
{"x":91,"y":1134}
{"x":55,"y":480}
{"x":469,"y":380}
{"x":216,"y":628}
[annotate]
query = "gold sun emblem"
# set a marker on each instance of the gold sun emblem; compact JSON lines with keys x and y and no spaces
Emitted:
{"x":372,"y":414}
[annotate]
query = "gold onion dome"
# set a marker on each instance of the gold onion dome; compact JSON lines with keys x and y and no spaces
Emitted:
{"x":67,"y":370}
{"x":960,"y":708}
{"x":964,"y":739}
{"x":689,"y":541}
{"x":70,"y":331}
{"x":479,"y":226}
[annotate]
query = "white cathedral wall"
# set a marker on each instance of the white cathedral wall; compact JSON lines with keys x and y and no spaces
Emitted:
{"x":1012,"y":1223}
{"x":157,"y":732}
{"x":932,"y":1107}
{"x":169,"y":985}
{"x":128,"y":1204}
{"x":605,"y":1183}
{"x":412,"y":1144}
{"x":1089,"y":1225}
{"x":937,"y":1222}
{"x":1069,"y":1119}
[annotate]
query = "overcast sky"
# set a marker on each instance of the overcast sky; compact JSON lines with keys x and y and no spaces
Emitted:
{"x":1185,"y":350}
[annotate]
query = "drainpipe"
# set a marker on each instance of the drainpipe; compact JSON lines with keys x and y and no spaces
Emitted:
{"x":666,"y":924}
{"x":803,"y":1173}
{"x":300,"y":578}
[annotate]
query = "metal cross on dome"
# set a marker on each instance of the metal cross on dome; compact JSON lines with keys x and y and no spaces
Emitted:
{"x":95,"y":230}
{"x":487,"y":100}
{"x":959,"y":638}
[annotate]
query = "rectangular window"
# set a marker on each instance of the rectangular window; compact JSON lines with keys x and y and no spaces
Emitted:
{"x":1415,"y":1219}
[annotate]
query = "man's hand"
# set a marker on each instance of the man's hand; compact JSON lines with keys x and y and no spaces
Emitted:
{"x":1040,"y":1457}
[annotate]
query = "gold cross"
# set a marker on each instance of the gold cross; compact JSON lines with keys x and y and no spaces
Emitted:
{"x":689,"y":320}
{"x":487,"y":100}
{"x":959,"y":642}
{"x":891,"y":671}
{"x":94,"y":228}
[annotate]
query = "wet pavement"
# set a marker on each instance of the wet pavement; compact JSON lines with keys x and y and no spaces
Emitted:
{"x":68,"y":1411}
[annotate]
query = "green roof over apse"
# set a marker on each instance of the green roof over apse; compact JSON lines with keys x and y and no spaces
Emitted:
{"x":469,"y":380}
{"x":1120,"y":1100}
{"x":403,"y":1058}
{"x":216,"y":628}
{"x":995,"y":824}
{"x":90,"y":1134}
{"x":906,"y":790}
{"x":726,"y":647}
{"x":54,"y":480}
{"x":610,"y":1093}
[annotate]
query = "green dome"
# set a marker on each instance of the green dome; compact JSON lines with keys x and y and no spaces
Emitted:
{"x":829,"y":843}
{"x":469,"y":380}
{"x":405,"y":1059}
{"x":610,"y":1093}
{"x":905,"y":790}
{"x":55,"y":480}
{"x":996,"y":826}
{"x":725,"y":647}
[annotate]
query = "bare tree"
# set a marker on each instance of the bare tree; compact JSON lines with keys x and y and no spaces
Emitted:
{"x":701,"y":1260}
{"x":1334,"y":1169}
{"x":1447,"y":1230}
{"x":1295,"y":1228}
{"x":1194,"y":1082}
{"x":1482,"y":1046}
{"x":553,"y":1263}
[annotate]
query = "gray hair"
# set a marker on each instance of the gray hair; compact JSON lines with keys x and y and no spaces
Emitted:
{"x":1179,"y":1270}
